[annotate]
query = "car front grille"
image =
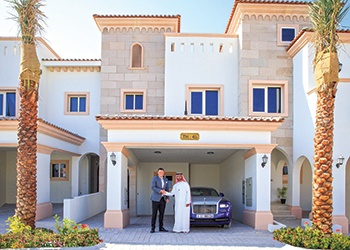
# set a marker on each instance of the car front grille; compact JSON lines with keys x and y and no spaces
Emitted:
{"x":204,"y":209}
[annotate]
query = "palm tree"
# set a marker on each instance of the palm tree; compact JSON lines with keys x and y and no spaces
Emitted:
{"x":325,"y":16}
{"x":29,"y":18}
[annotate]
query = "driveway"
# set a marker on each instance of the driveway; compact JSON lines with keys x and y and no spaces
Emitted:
{"x":137,"y":235}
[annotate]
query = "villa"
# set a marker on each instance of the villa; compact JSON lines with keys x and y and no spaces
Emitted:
{"x":208,"y":105}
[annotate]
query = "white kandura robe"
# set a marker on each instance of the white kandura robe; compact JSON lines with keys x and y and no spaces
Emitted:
{"x":182,"y":193}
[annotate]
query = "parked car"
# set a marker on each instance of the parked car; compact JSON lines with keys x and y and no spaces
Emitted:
{"x":209,"y":207}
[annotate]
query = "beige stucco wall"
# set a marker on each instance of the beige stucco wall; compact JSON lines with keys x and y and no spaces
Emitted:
{"x":347,"y":190}
{"x":306,"y":187}
{"x":231,"y":177}
{"x":205,"y":175}
{"x":145,"y":173}
{"x":11,"y":190}
{"x":84,"y":175}
{"x":261,"y":59}
{"x":60,"y":190}
{"x":2,"y":178}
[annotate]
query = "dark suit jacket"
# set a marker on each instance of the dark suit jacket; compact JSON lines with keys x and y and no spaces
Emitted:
{"x":157,"y":187}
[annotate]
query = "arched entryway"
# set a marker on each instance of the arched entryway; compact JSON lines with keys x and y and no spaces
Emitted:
{"x":89,"y":174}
{"x":280,"y":168}
{"x":302,"y":187}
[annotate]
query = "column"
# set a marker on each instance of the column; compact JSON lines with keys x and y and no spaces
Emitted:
{"x":43,"y":206}
{"x":75,"y":176}
{"x":339,"y":196}
{"x":294,"y":179}
{"x":117,"y":214}
{"x":257,"y":212}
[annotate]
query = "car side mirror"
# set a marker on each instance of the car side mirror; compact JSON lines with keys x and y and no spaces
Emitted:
{"x":222,"y":195}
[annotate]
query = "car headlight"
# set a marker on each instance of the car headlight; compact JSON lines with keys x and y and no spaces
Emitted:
{"x":224,"y":205}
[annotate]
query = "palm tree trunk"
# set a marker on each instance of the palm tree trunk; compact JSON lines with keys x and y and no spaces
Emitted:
{"x":322,"y":178}
{"x":26,"y":154}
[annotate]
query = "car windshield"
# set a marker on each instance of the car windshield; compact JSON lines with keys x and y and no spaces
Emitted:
{"x":204,"y":192}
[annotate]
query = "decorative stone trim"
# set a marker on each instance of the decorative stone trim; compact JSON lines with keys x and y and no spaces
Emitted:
{"x":44,"y":149}
{"x":76,"y":68}
{"x":116,"y":22}
{"x":267,"y":10}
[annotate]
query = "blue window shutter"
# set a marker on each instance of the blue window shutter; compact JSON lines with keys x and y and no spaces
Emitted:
{"x":1,"y":104}
{"x":82,"y":104}
{"x":73,"y":104}
{"x":288,"y":34}
{"x":10,"y":104}
{"x":258,"y":100}
{"x":138,"y":101}
{"x":274,"y":100}
{"x":211,"y":102}
{"x":196,"y":103}
{"x":129,"y":102}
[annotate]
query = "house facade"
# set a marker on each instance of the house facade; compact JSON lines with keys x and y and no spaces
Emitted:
{"x":208,"y":105}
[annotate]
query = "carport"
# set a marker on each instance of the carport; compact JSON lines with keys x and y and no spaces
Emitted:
{"x":221,"y":152}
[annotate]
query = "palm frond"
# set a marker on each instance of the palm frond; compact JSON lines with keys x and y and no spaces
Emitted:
{"x":29,"y":18}
{"x":325,"y":17}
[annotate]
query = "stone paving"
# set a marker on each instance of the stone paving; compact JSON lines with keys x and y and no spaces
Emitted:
{"x":137,"y":235}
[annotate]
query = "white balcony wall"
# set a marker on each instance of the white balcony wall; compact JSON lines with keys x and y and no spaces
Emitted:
{"x":195,"y":63}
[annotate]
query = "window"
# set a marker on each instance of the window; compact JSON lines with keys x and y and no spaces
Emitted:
{"x":192,"y":47}
{"x":286,"y":33}
{"x":136,"y":56}
{"x":182,"y":47}
{"x":133,"y":100}
{"x":204,"y":99}
{"x":202,"y":47}
{"x":59,"y":170}
{"x":76,"y":103}
{"x":8,"y":103}
{"x":268,"y":97}
{"x":172,"y":47}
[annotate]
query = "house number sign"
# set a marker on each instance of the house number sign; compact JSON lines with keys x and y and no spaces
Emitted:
{"x":189,"y":136}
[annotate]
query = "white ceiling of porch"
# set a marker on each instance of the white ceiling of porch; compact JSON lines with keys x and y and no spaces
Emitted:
{"x":195,"y":156}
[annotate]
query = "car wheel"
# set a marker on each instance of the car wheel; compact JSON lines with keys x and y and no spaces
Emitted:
{"x":227,"y":226}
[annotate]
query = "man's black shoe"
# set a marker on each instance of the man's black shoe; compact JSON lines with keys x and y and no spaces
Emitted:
{"x":152,"y":231}
{"x":163,"y":230}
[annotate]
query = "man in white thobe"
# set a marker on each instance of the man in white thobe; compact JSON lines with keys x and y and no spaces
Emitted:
{"x":182,"y":192}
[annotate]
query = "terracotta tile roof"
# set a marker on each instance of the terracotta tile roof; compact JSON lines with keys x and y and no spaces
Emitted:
{"x":258,"y":2}
{"x":189,"y":118}
{"x":43,"y":121}
{"x":70,"y":60}
{"x":308,"y":29}
{"x":141,"y":16}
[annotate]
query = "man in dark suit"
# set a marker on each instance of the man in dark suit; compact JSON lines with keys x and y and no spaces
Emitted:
{"x":159,"y":201}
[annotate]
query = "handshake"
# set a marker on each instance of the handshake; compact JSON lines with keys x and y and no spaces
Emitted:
{"x":162,"y":191}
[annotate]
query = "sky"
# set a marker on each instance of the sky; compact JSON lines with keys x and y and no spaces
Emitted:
{"x":72,"y":32}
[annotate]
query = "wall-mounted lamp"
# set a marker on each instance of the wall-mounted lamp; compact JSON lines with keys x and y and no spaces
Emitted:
{"x":264,"y":161}
{"x":340,"y":161}
{"x":340,"y":66}
{"x":113,"y":158}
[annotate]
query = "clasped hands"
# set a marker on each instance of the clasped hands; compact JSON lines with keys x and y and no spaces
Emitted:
{"x":162,"y":191}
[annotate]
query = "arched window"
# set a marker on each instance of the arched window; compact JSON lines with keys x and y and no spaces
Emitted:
{"x":136,"y":56}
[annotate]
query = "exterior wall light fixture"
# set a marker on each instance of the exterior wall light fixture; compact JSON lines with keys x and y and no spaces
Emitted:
{"x":113,"y":158}
{"x":340,"y":161}
{"x":264,"y":161}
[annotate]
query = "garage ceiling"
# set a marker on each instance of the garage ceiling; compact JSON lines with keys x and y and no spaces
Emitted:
{"x":194,"y":156}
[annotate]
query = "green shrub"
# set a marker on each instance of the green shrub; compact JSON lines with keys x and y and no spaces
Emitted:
{"x":311,"y":238}
{"x":22,"y":237}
